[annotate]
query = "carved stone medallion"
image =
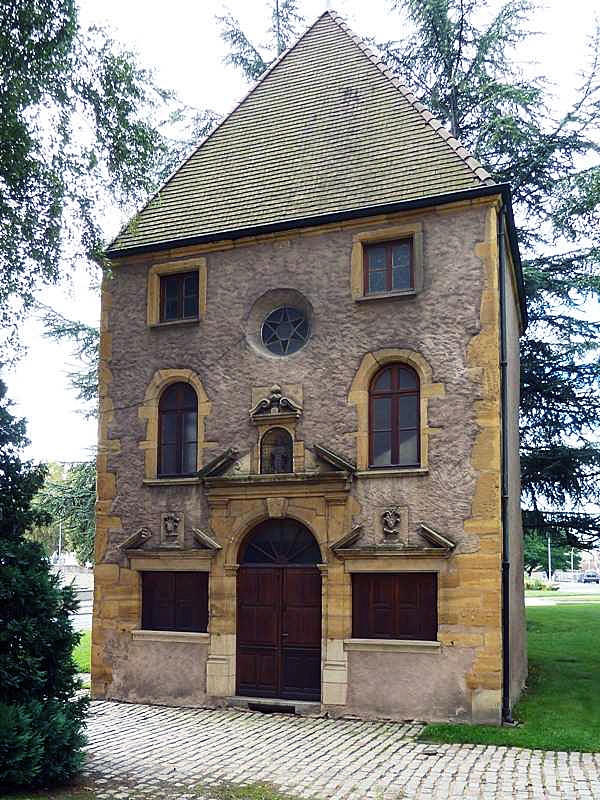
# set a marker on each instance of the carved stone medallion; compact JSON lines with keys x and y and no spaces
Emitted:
{"x":394,"y":523}
{"x":172,"y":529}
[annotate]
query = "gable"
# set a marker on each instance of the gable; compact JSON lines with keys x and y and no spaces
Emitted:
{"x":326,"y":130}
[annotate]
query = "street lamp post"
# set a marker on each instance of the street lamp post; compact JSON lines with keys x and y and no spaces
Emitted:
{"x":549,"y":558}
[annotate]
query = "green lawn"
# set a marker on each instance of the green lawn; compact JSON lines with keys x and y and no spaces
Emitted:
{"x":83,"y":652}
{"x":561,"y":707}
{"x":559,"y":595}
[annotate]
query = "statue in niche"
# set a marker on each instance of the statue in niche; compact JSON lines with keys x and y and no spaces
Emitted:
{"x":171,"y":530}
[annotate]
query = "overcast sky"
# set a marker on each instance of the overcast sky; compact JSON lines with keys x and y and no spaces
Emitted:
{"x":180,"y":41}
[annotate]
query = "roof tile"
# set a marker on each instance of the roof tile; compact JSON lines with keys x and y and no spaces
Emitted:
{"x":327,"y":128}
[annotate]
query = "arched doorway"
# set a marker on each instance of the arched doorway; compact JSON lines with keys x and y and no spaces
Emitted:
{"x":279,"y":612}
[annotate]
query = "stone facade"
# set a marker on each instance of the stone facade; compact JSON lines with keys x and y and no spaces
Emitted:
{"x":448,"y":331}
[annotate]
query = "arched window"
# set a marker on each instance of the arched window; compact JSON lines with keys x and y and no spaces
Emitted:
{"x":177,"y":430}
{"x":394,"y":417}
{"x":276,"y":452}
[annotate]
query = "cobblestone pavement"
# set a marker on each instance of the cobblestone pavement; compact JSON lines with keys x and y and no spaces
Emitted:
{"x":138,"y":751}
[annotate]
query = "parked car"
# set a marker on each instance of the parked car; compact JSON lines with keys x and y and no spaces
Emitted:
{"x":590,"y":576}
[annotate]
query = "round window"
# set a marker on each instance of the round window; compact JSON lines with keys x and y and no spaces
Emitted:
{"x":285,"y":330}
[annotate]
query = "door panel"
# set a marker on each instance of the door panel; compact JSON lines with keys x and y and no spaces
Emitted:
{"x":301,"y":633}
{"x":279,"y":632}
{"x":258,"y":631}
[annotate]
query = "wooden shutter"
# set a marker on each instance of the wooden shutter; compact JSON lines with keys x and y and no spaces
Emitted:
{"x":175,"y":601}
{"x":191,"y":601}
{"x":394,"y":605}
{"x":158,"y":609}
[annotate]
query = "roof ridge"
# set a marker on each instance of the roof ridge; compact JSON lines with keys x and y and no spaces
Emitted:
{"x":221,"y":122}
{"x":461,"y":151}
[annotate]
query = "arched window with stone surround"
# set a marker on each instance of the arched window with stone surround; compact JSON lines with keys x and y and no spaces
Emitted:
{"x":394,"y":435}
{"x":276,"y":452}
{"x":177,"y":431}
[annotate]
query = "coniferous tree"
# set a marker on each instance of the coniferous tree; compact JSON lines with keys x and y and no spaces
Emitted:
{"x":253,"y":60}
{"x":457,"y":60}
{"x":41,"y":720}
{"x":71,"y":500}
{"x":81,"y":125}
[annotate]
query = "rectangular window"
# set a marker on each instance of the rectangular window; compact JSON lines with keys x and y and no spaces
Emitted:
{"x":388,"y":266}
{"x":179,"y":296}
{"x":175,"y":601}
{"x":394,"y":605}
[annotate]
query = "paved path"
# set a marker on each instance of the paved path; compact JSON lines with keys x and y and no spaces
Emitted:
{"x":138,"y":751}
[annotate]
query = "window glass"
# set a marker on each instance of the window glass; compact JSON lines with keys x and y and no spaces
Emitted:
{"x":382,"y":449}
{"x":285,"y":330}
{"x":407,"y":411}
{"x":377,"y":281}
{"x":190,"y":295}
{"x":169,"y":427}
{"x":388,"y":266}
{"x":177,"y":431}
{"x":189,"y":458}
{"x":376,"y":256}
{"x":407,"y":378}
{"x":408,"y":448}
{"x":276,"y":452}
{"x":280,"y":541}
{"x":401,"y":267}
{"x":401,"y":278}
{"x":189,"y":426}
{"x":394,"y":417}
{"x":179,"y":296}
{"x":382,"y":414}
{"x":168,"y":460}
{"x":384,"y":381}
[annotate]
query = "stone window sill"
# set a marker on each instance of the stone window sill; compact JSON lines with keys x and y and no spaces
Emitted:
{"x":191,"y":637}
{"x":392,"y":472}
{"x":391,"y":645}
{"x":175,"y":322}
{"x":365,"y":298}
{"x":193,"y":481}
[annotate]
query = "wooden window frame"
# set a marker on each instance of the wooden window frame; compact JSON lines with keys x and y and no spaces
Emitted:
{"x":395,"y":394}
{"x":179,"y":279}
{"x":179,"y":443}
{"x":363,"y":606}
{"x":388,"y":245}
{"x":174,"y":581}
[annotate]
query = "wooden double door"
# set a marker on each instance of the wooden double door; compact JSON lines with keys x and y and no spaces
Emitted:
{"x":279,"y":619}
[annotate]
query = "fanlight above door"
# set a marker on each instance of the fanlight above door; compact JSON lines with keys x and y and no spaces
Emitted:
{"x":280,"y":542}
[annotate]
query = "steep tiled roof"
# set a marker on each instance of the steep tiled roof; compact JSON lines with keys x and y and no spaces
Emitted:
{"x":328,"y":128}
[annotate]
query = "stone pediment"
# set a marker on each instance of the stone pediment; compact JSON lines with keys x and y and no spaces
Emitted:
{"x":205,"y":540}
{"x":220,"y":464}
{"x":334,"y":459}
{"x":434,"y":544}
{"x":275,"y":406}
{"x":137,"y":539}
{"x":170,"y":539}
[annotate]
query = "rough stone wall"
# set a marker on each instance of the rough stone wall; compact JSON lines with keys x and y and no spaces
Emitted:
{"x":452,"y":323}
{"x":438,"y":323}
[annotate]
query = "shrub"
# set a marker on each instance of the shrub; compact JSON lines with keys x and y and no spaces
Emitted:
{"x":41,"y":719}
{"x":535,"y":584}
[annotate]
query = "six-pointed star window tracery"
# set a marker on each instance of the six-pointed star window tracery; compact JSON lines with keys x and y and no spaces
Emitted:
{"x":285,"y":330}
